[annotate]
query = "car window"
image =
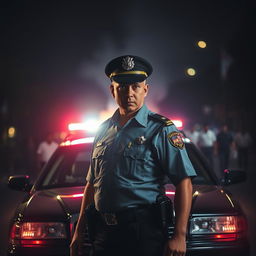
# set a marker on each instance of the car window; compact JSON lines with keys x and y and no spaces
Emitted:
{"x":67,"y":168}
{"x":205,"y":175}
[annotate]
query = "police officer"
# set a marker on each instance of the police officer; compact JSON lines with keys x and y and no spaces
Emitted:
{"x":132,"y":154}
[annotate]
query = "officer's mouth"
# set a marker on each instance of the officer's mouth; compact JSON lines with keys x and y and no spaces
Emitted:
{"x":128,"y":102}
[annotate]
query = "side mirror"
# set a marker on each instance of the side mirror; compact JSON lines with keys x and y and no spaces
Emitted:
{"x":233,"y":176}
{"x":19,"y":182}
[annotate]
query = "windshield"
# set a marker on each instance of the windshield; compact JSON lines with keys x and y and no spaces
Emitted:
{"x":205,"y":175}
{"x":69,"y":166}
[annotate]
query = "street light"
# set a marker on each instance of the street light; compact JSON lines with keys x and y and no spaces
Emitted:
{"x":201,"y":44}
{"x":11,"y":132}
{"x":191,"y":72}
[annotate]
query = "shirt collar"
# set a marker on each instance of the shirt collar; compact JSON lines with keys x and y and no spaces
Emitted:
{"x":141,"y":117}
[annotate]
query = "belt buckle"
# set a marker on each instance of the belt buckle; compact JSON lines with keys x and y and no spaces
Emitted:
{"x":110,"y":219}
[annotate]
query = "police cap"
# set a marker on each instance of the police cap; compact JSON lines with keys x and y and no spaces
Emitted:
{"x":128,"y":69}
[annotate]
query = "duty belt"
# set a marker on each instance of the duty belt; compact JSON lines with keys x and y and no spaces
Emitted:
{"x":129,"y":214}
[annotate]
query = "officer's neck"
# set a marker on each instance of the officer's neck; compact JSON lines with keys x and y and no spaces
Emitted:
{"x":124,"y":117}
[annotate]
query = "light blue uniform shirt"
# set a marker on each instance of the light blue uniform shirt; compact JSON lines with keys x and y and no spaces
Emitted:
{"x":129,"y":163}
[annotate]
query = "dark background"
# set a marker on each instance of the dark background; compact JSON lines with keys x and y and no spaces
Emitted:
{"x":52,"y":60}
{"x":53,"y":55}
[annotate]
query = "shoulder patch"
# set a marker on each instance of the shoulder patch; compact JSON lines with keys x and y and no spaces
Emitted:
{"x":162,"y":119}
{"x":176,"y":139}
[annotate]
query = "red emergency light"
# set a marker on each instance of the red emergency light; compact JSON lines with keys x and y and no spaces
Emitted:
{"x":168,"y":192}
{"x":72,"y":196}
{"x":178,"y":123}
{"x":77,"y":127}
{"x":90,"y":125}
{"x":77,"y":141}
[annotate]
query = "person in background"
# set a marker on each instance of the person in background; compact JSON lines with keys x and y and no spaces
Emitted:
{"x":207,"y":143}
{"x":224,"y":143}
{"x":243,"y":141}
{"x":193,"y":134}
{"x":45,"y":150}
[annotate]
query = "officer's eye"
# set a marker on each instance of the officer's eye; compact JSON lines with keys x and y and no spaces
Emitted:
{"x":136,"y":86}
{"x":122,"y":86}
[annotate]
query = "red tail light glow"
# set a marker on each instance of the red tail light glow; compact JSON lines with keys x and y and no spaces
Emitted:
{"x":225,"y":237}
{"x":32,"y":243}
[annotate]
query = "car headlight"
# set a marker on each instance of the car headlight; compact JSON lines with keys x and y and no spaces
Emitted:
{"x":38,"y":230}
{"x":215,"y":224}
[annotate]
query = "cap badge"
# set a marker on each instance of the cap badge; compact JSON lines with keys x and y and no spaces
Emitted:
{"x":128,"y":63}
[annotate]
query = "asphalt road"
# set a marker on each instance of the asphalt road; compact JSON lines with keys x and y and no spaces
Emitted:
{"x":243,"y":192}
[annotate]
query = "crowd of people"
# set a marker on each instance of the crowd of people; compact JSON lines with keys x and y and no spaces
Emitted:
{"x":231,"y":148}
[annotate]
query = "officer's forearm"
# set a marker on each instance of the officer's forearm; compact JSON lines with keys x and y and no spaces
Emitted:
{"x":182,"y":203}
{"x":87,"y":200}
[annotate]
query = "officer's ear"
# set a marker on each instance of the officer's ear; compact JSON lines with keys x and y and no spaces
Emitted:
{"x":112,"y":89}
{"x":146,"y":88}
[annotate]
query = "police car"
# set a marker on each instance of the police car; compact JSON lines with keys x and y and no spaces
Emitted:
{"x":45,"y":220}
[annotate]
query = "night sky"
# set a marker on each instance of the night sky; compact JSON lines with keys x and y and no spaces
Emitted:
{"x":53,"y":55}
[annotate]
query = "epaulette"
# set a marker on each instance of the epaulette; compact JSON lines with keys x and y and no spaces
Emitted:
{"x":163,"y":119}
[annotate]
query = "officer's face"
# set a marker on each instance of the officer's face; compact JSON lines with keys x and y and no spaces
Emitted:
{"x":129,"y":97}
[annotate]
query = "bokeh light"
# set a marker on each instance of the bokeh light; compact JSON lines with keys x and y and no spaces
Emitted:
{"x":11,"y":132}
{"x":201,"y":44}
{"x":191,"y":72}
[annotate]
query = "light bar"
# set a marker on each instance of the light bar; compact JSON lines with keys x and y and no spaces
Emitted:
{"x":77,"y":127}
{"x":178,"y":123}
{"x":90,"y":125}
{"x":170,"y":192}
{"x":71,"y":196}
{"x":77,"y":141}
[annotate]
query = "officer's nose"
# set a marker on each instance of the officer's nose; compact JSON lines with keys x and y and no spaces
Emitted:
{"x":129,"y":90}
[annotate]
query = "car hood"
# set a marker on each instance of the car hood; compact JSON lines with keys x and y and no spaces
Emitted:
{"x":209,"y":199}
{"x":213,"y":200}
{"x":53,"y":204}
{"x":61,"y":203}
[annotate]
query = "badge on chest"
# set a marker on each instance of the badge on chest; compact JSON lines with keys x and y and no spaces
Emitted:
{"x":138,"y":141}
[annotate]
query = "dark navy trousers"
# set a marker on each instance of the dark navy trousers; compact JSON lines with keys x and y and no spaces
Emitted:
{"x":138,"y":232}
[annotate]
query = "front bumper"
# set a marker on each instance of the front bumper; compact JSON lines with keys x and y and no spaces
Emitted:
{"x":228,"y":249}
{"x":54,"y":248}
{"x":235,"y":248}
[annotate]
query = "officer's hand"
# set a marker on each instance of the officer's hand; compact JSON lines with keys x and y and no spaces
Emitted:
{"x":176,"y":246}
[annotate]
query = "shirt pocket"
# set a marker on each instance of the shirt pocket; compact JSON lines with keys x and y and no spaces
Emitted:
{"x":136,"y":160}
{"x":99,"y":159}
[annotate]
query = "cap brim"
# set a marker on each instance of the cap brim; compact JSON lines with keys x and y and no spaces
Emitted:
{"x":129,"y":79}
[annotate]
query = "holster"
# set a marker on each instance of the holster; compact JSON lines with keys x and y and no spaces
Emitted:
{"x":92,"y":218}
{"x":166,"y":214}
